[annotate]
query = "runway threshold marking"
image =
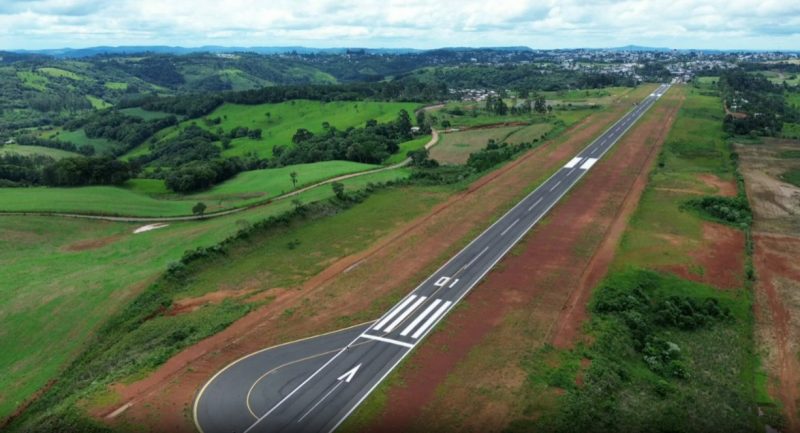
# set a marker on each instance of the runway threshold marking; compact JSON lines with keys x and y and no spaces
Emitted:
{"x":394,"y":312}
{"x":405,"y":314}
{"x":420,"y":318}
{"x":387,"y":340}
{"x":432,"y":320}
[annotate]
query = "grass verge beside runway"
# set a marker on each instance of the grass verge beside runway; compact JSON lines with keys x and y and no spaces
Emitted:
{"x":64,"y":277}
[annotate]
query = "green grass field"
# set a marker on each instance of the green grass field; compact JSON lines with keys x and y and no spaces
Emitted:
{"x":97,"y":103}
{"x":32,"y":80}
{"x":61,"y":278}
{"x":625,"y":387}
{"x":455,"y":147}
{"x":116,"y":85}
{"x":279,"y":122}
{"x":133,"y":199}
{"x":529,"y":133}
{"x":35,"y":150}
{"x":79,"y":138}
{"x":58,"y":73}
{"x":792,"y":176}
{"x":408,"y":146}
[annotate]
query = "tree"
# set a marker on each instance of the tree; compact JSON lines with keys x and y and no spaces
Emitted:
{"x":445,"y":123}
{"x":293,"y":176}
{"x":338,"y":190}
{"x":199,"y":209}
{"x":420,"y":118}
{"x":302,"y":135}
{"x":298,"y":204}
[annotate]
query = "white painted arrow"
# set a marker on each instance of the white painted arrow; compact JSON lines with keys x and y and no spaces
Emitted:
{"x":347,"y":377}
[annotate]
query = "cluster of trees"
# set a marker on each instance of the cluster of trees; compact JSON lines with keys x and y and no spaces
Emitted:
{"x":18,"y":170}
{"x":192,"y":162}
{"x":523,"y":78}
{"x":32,"y":140}
{"x":200,"y":175}
{"x":494,"y":153}
{"x":196,"y":105}
{"x":371,"y":144}
{"x":759,"y":105}
{"x":113,"y":125}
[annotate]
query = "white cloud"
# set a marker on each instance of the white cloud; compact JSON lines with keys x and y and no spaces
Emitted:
{"x":402,"y":23}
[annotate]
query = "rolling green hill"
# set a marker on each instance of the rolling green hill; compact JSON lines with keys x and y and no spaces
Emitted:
{"x":279,"y":122}
{"x":246,"y":188}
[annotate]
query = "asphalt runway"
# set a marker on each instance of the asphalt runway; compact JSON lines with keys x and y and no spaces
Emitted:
{"x":313,"y":385}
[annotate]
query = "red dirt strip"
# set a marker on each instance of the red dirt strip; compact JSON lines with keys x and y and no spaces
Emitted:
{"x":546,"y":280}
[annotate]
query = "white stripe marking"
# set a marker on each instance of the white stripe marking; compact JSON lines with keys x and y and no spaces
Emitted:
{"x":509,"y":227}
{"x":430,"y":321}
{"x":588,"y":164}
{"x":593,"y":151}
{"x":534,"y":205}
{"x":405,"y":314}
{"x":557,"y":184}
{"x":320,"y":401}
{"x":573,"y":162}
{"x":453,"y":283}
{"x":475,"y":258}
{"x":394,"y":312}
{"x":420,"y":318}
{"x":387,"y":340}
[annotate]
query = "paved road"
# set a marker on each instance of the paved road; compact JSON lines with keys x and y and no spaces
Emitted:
{"x":316,"y":394}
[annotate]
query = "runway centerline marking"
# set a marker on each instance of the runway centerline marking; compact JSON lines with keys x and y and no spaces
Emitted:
{"x":509,"y":227}
{"x":535,"y":203}
{"x":475,"y":258}
{"x":557,"y":184}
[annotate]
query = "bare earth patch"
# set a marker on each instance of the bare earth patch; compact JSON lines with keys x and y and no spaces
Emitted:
{"x":776,"y":208}
{"x":718,"y":260}
{"x":91,"y":244}
{"x":335,"y":298}
{"x":536,"y":295}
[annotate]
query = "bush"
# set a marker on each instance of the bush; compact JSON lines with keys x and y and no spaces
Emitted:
{"x":729,"y":210}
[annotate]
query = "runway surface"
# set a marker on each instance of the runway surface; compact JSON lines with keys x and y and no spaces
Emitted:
{"x":313,"y":385}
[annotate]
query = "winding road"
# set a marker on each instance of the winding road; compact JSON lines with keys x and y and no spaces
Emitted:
{"x":434,"y":139}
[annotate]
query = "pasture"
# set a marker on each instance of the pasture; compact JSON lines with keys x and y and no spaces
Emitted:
{"x":35,"y":150}
{"x":455,"y":147}
{"x":279,"y":122}
{"x":244,"y":189}
{"x":93,"y":268}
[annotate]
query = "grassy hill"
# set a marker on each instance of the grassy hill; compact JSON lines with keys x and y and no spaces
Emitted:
{"x":138,"y":198}
{"x":35,"y":150}
{"x":279,"y":122}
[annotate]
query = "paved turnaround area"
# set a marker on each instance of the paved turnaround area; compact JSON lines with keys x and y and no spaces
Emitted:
{"x":312,"y":385}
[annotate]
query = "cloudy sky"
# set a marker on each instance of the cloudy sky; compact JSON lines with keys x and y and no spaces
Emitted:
{"x":724,"y":24}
